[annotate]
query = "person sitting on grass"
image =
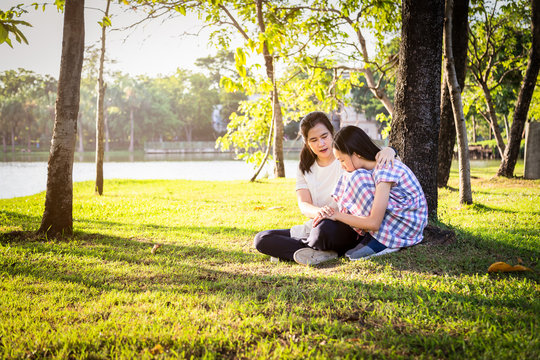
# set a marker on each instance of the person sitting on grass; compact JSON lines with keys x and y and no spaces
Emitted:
{"x":386,"y":204}
{"x":316,"y":178}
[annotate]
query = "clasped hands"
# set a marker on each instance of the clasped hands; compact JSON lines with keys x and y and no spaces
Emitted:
{"x":326,"y":212}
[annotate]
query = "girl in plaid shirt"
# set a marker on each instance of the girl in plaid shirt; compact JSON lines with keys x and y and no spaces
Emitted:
{"x":386,"y":204}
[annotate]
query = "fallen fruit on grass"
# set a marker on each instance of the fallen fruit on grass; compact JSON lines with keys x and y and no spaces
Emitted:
{"x":504,"y":267}
{"x":154,"y":249}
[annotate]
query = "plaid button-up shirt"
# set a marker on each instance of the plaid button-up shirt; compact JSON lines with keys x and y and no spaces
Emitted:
{"x":406,"y":214}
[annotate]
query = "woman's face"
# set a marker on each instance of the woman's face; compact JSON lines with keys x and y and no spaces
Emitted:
{"x":349,"y":163}
{"x":320,"y":141}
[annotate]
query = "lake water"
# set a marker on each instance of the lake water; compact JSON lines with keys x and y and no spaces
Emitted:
{"x":26,"y":174}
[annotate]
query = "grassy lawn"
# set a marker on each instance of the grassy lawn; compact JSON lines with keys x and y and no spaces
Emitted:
{"x":206,"y":293}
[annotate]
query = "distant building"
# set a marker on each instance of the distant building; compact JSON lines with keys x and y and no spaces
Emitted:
{"x":348,"y":116}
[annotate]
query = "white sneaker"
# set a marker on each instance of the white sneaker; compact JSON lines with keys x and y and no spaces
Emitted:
{"x":309,"y":256}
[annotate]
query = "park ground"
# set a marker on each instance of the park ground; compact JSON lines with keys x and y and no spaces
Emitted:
{"x":207,"y":293}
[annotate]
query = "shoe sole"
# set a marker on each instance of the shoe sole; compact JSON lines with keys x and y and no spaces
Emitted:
{"x":308,"y":256}
{"x":384,"y":252}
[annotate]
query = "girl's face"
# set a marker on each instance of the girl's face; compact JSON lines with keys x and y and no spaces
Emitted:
{"x":349,"y":163}
{"x":320,"y":141}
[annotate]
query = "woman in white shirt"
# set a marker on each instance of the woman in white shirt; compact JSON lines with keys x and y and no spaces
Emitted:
{"x":316,"y":178}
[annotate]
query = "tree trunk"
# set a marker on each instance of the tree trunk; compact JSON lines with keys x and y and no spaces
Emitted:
{"x":473,"y":128}
{"x":4,"y":142}
{"x":131,"y":130}
{"x":447,"y":132}
{"x":415,"y":126}
{"x":99,"y":115}
{"x":279,"y":169}
{"x":188,"y":130}
{"x":80,"y":135}
{"x":107,"y":138}
{"x":511,"y":153}
{"x":492,"y":118}
{"x":57,"y":217}
{"x":465,"y":193}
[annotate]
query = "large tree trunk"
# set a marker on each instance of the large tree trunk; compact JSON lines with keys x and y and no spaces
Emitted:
{"x":58,"y":217}
{"x":279,"y":169}
{"x":465,"y":193}
{"x":131,"y":130}
{"x":447,"y":132}
{"x":415,"y":126}
{"x":511,"y":153}
{"x":80,"y":135}
{"x":99,"y":115}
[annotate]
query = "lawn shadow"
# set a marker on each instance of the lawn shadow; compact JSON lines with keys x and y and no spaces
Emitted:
{"x":351,"y":305}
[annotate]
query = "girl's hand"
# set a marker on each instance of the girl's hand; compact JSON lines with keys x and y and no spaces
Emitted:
{"x":326,"y":212}
{"x":385,"y":157}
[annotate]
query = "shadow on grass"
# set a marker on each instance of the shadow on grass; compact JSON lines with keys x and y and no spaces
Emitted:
{"x":354,"y":308}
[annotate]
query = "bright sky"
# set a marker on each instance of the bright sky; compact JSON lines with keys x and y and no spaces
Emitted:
{"x":153,"y":48}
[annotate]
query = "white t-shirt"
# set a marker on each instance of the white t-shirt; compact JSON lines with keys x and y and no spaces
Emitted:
{"x":320,"y":182}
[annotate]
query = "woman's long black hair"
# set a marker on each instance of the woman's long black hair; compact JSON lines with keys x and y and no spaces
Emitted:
{"x":307,"y":157}
{"x":353,"y":140}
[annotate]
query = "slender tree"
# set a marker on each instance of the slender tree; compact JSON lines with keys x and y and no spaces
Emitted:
{"x":447,"y":132}
{"x":511,"y":151}
{"x":415,"y":125}
{"x":58,"y":217}
{"x":465,"y":193}
{"x":100,"y":98}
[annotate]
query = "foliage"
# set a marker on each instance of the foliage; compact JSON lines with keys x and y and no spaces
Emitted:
{"x":9,"y":25}
{"x":207,"y":293}
{"x":500,"y":38}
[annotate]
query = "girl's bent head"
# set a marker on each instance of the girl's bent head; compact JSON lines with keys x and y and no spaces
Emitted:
{"x":352,"y":140}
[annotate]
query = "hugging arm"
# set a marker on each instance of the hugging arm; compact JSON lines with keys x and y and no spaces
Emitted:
{"x":386,"y":157}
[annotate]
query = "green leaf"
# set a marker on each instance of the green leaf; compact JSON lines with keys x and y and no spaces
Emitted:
{"x":3,"y":33}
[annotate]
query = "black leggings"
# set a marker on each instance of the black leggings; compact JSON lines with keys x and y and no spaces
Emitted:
{"x":327,"y":235}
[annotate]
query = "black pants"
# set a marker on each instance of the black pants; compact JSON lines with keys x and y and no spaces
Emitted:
{"x":327,"y":235}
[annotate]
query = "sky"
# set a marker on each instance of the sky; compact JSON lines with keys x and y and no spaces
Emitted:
{"x":153,"y":48}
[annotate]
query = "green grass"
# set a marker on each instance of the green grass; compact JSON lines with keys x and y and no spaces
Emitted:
{"x":207,"y":293}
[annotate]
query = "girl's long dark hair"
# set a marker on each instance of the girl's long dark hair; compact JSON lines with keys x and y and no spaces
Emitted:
{"x":307,"y":157}
{"x":353,"y":140}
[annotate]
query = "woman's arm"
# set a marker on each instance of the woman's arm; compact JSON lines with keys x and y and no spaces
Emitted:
{"x":305,"y":203}
{"x":374,"y":220}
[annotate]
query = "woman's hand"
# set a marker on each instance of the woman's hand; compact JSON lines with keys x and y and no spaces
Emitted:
{"x":326,"y":212}
{"x":385,"y":157}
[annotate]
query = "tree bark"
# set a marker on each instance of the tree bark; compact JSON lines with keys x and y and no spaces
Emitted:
{"x":279,"y":169}
{"x":465,"y":192}
{"x":80,"y":134}
{"x":415,"y":126}
{"x":58,"y":217}
{"x":99,"y":115}
{"x":511,"y":153}
{"x":447,"y":132}
{"x":107,"y":137}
